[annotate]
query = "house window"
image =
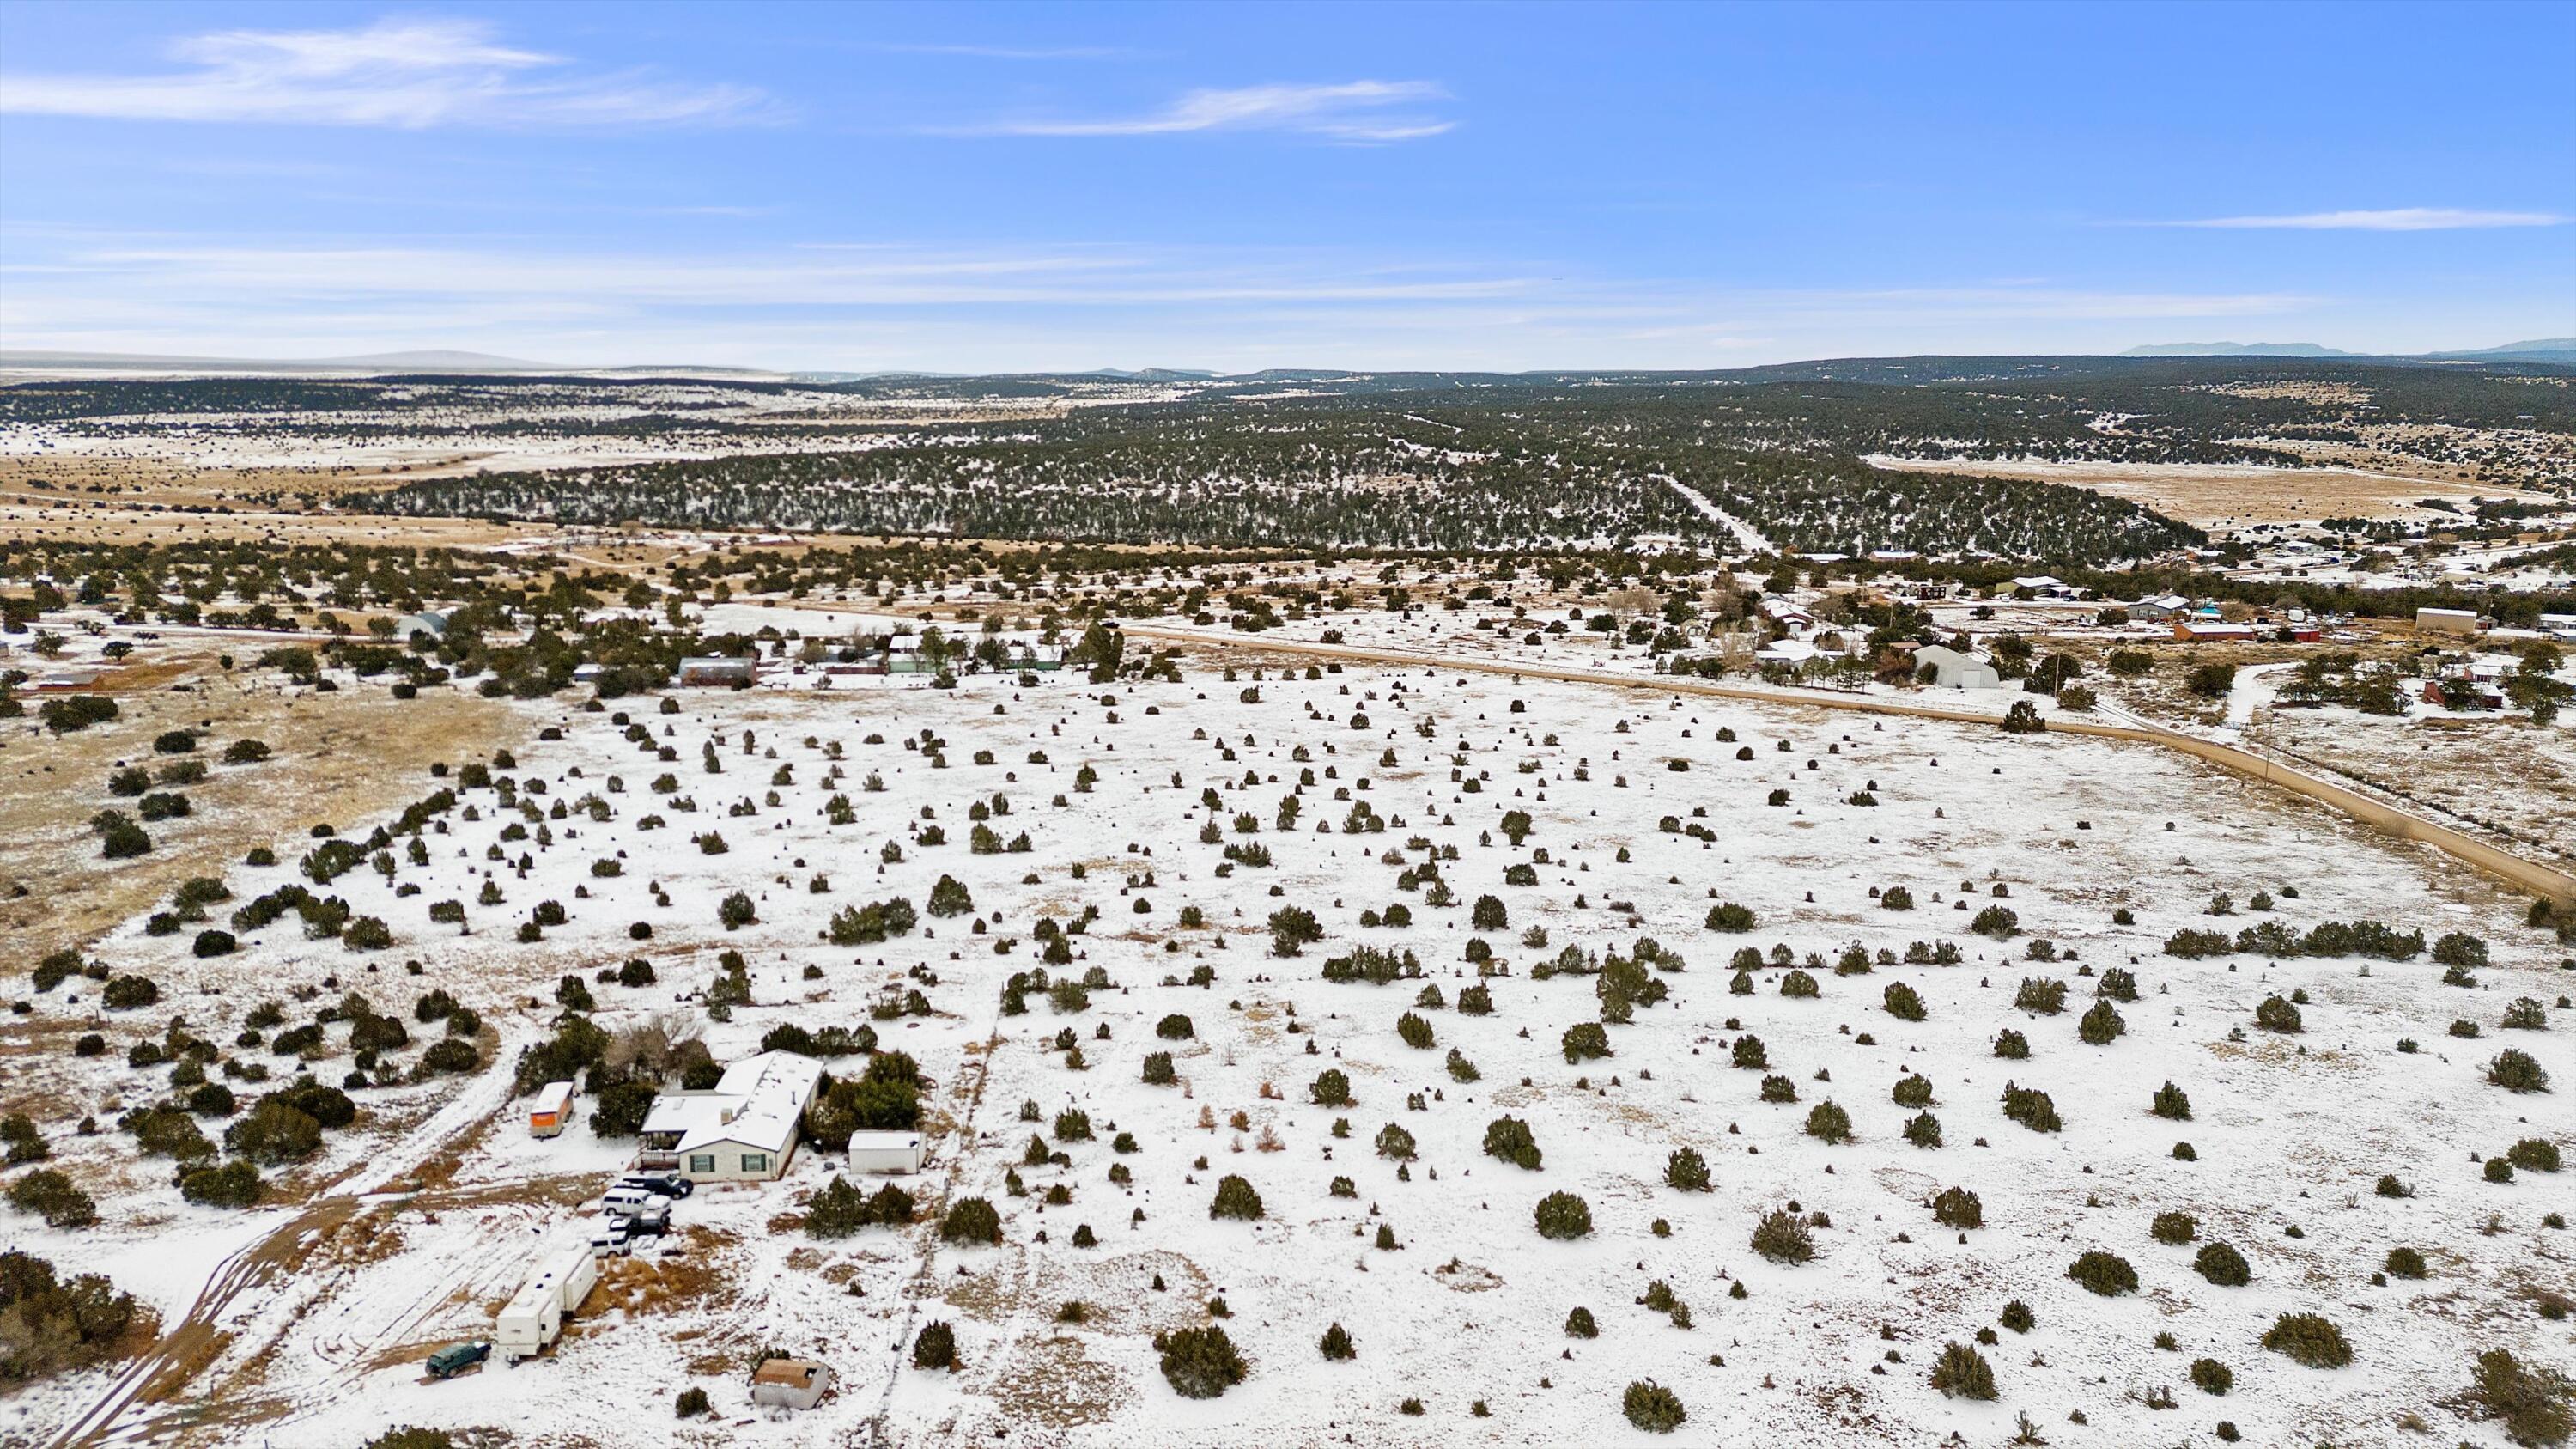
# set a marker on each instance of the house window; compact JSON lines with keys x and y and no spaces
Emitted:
{"x":755,"y":1162}
{"x":702,"y":1164}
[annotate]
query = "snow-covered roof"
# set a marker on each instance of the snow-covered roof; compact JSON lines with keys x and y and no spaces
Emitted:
{"x":756,"y":1103}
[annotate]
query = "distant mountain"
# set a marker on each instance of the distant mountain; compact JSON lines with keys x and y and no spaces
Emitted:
{"x":427,"y":361}
{"x":1151,"y":374}
{"x":2545,"y":349}
{"x":2235,"y":349}
{"x":434,"y":360}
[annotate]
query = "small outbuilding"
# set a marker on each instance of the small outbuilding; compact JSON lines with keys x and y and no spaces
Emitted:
{"x":790,"y":1383}
{"x":885,"y":1152}
{"x":721,"y":670}
{"x":1947,"y":668}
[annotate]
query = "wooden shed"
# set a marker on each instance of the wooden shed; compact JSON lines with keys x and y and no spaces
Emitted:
{"x":790,"y":1383}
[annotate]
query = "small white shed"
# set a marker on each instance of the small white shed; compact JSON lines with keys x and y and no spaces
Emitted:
{"x":885,"y":1152}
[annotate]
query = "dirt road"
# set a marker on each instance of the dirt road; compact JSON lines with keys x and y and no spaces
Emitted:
{"x":145,"y":1403}
{"x":2528,"y":875}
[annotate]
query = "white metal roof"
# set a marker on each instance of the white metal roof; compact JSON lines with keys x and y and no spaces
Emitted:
{"x":756,"y":1103}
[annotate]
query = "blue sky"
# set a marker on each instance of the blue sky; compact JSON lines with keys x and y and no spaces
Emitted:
{"x":968,"y":188}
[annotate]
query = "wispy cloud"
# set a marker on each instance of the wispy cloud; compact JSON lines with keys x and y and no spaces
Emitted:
{"x":1000,"y":52}
{"x":813,"y":275}
{"x":404,"y":74}
{"x":2404,"y":218}
{"x":1360,"y":112}
{"x":836,"y":303}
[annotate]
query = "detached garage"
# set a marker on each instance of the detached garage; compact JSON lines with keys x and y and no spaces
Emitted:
{"x":1940,"y":665}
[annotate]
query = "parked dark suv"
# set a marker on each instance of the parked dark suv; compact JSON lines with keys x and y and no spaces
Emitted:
{"x":668,"y":1184}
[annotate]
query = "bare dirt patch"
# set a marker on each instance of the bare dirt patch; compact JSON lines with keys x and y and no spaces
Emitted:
{"x":2226,"y":495}
{"x":338,"y":757}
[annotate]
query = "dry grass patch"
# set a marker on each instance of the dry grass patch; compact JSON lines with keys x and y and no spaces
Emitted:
{"x":339,"y":758}
{"x":639,"y":1285}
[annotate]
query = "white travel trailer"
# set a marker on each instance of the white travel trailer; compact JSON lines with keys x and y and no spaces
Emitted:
{"x":533,"y":1319}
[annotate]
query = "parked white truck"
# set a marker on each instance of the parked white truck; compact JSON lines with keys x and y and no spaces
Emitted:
{"x":533,"y":1319}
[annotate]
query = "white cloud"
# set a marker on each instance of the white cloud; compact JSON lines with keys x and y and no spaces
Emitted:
{"x":2405,"y":218}
{"x":1002,"y":308}
{"x":1000,"y":52}
{"x":1354,"y":111}
{"x":404,"y":74}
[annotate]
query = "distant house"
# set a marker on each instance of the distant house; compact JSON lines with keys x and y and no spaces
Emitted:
{"x":2206,"y":631}
{"x":2041,"y":586}
{"x":1796,"y":622}
{"x":721,"y":670}
{"x":2462,"y":689}
{"x":1785,"y":651}
{"x":2159,"y":608}
{"x":790,"y":1383}
{"x":1952,"y":669}
{"x":425,"y":622}
{"x":2447,"y":621}
{"x":904,"y":656}
{"x":743,"y":1130}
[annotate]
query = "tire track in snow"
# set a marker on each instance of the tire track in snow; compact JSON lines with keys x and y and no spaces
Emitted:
{"x":190,"y":1346}
{"x":919,"y":1287}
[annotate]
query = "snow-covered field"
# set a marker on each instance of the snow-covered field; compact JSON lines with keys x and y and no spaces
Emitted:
{"x":1467,"y":1313}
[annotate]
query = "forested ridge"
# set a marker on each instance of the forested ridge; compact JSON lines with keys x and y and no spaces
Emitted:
{"x":1546,"y":467}
{"x":1395,"y":461}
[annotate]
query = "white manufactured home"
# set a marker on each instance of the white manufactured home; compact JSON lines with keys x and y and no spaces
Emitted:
{"x":744,"y":1130}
